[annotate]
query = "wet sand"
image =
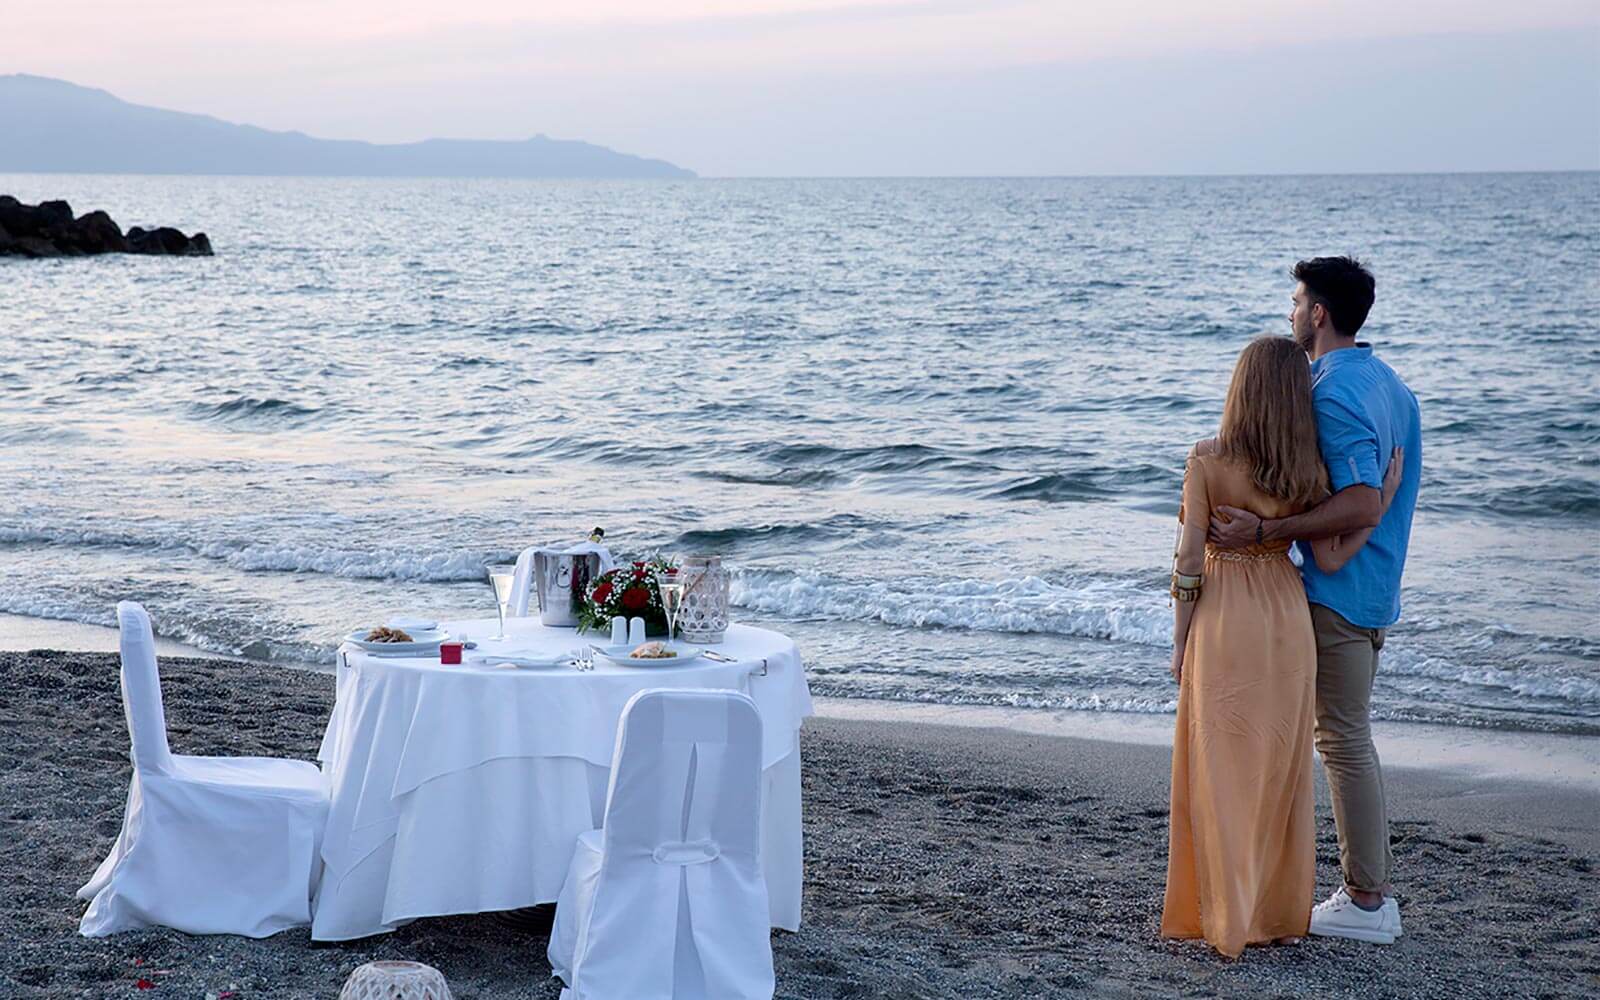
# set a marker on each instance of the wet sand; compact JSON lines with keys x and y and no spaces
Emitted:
{"x":941,"y":861}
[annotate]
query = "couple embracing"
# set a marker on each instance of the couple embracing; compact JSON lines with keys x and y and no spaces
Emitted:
{"x":1323,"y":456}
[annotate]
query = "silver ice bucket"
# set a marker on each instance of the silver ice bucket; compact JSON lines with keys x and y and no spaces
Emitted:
{"x":562,"y":579}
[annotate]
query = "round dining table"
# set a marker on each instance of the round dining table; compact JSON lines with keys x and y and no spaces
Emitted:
{"x":463,"y":788}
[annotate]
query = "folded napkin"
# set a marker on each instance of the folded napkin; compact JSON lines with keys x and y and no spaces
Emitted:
{"x":522,"y":581}
{"x":517,"y":661}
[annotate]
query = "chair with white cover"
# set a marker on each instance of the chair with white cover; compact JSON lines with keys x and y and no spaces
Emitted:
{"x":209,"y":845}
{"x":667,"y":900}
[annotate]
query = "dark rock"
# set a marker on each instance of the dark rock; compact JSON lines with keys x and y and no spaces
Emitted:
{"x":27,"y":246}
{"x":97,"y":233}
{"x":55,"y":213}
{"x":18,"y":219}
{"x":166,"y":240}
{"x":49,"y":230}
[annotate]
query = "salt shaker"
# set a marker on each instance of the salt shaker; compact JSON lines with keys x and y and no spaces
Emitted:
{"x":619,"y":630}
{"x":635,"y":631}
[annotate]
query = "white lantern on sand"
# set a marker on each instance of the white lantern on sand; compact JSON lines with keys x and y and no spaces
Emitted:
{"x":395,"y":981}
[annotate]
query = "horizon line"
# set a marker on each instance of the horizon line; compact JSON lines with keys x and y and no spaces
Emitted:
{"x":1219,"y":175}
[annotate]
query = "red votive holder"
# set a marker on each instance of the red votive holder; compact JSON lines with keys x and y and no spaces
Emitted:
{"x":450,"y":652}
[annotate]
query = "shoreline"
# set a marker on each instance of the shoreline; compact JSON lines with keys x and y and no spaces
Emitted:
{"x":941,"y":860}
{"x":1558,"y":759}
{"x":25,"y":633}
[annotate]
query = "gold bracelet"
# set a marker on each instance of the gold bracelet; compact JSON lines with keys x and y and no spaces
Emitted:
{"x":1185,"y":586}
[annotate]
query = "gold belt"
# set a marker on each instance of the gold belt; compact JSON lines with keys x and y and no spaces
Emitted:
{"x":1242,"y":555}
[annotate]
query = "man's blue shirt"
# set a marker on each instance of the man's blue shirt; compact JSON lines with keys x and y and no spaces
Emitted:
{"x":1363,"y":411}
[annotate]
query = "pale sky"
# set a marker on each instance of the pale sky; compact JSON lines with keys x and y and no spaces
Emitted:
{"x":898,"y":87}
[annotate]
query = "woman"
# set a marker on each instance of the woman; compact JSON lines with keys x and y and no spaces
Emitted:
{"x":1241,"y":854}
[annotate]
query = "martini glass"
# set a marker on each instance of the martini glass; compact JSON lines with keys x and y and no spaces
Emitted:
{"x":671,"y":603}
{"x":500,"y":577}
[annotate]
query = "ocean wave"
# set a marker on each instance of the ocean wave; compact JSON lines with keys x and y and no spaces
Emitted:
{"x":1106,"y":608}
{"x":1204,"y":329}
{"x":1094,"y":483}
{"x":786,"y":464}
{"x":51,"y":608}
{"x":1054,"y":487}
{"x":111,"y":381}
{"x":1560,"y":496}
{"x":206,"y":634}
{"x":440,"y":566}
{"x":604,"y":451}
{"x":976,"y":472}
{"x":77,"y":537}
{"x":1005,"y":391}
{"x":247,"y":410}
{"x":839,"y":526}
{"x":897,"y":458}
{"x":1535,"y":683}
{"x":783,"y":477}
{"x":507,"y":330}
{"x":453,"y":566}
{"x":465,"y":361}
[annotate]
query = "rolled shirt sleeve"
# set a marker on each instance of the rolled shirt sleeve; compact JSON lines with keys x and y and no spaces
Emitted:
{"x":1349,"y":446}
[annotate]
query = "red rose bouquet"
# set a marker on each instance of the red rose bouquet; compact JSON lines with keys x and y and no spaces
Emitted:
{"x":629,"y":591}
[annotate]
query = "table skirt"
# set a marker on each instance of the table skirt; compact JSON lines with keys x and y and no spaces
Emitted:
{"x":462,"y":843}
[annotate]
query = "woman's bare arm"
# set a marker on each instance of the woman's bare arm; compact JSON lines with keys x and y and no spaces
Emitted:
{"x":1189,"y":557}
{"x":1332,"y":553}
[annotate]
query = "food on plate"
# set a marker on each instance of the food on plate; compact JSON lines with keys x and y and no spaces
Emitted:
{"x":385,"y":634}
{"x":652,"y":651}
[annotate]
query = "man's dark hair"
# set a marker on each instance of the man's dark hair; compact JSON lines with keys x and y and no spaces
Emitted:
{"x":1343,"y":287}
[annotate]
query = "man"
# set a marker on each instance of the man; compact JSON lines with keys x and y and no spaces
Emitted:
{"x":1364,"y":412}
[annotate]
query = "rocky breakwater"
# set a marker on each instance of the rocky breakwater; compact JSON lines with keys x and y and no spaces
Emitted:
{"x":49,"y":229}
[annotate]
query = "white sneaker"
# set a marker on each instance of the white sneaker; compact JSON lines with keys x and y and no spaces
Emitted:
{"x":1391,"y":912}
{"x":1339,"y":916}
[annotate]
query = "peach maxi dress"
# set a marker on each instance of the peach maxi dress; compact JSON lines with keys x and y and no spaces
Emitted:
{"x":1241,"y":861}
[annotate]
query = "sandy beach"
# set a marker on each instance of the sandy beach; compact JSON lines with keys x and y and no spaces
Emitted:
{"x":941,"y":861}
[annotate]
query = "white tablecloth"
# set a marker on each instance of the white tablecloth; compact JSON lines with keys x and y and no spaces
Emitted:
{"x":461,"y":789}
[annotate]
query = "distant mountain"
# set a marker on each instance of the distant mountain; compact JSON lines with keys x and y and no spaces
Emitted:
{"x":51,"y":126}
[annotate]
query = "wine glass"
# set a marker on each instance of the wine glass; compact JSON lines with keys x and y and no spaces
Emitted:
{"x":671,"y":603}
{"x":500,"y":577}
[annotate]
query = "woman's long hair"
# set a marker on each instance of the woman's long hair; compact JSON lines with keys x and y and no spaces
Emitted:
{"x":1270,"y":424}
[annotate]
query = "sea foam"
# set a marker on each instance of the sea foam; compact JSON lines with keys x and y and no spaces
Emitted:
{"x":1108,"y":608}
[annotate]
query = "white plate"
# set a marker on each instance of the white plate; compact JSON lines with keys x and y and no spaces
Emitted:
{"x":425,"y":644}
{"x":619,"y":655}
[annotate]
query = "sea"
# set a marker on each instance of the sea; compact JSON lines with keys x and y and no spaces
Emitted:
{"x":937,"y":427}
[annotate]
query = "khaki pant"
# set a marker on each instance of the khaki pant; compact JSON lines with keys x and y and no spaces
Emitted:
{"x":1347,"y":661}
